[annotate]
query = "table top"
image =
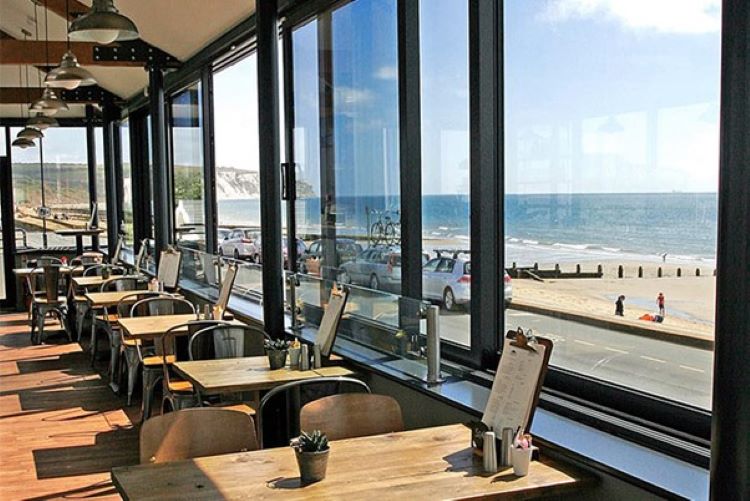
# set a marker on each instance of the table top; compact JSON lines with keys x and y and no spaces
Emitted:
{"x":90,"y":281}
{"x":431,"y":463}
{"x":79,"y":231}
{"x":228,"y":375}
{"x":22,"y":272}
{"x":112,"y":298}
{"x":153,"y":326}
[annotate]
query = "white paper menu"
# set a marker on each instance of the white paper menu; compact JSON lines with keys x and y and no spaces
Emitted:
{"x":512,"y":395}
{"x":169,"y":268}
{"x":330,"y":322}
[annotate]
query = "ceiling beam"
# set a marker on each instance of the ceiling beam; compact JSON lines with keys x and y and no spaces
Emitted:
{"x":58,"y":7}
{"x":81,"y":95}
{"x":35,"y":52}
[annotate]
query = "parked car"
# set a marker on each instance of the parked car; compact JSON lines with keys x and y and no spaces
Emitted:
{"x":301,"y":248}
{"x":378,"y":268}
{"x":448,"y":280}
{"x":240,"y":244}
{"x":346,"y":250}
{"x":222,"y":234}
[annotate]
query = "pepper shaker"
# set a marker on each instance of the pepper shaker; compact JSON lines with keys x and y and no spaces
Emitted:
{"x":317,"y":362}
{"x":507,"y":445}
{"x":490,"y":452}
{"x":304,"y":358}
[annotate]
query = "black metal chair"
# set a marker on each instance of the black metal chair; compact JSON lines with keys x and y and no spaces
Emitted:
{"x":138,"y":354}
{"x":227,"y":341}
{"x":80,"y":303}
{"x":49,"y":298}
{"x":281,"y":406}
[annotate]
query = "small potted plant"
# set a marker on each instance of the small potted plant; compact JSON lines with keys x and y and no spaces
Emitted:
{"x":277,"y":349}
{"x":311,"y":450}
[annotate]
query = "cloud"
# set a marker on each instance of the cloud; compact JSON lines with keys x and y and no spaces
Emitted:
{"x":387,"y":73}
{"x":665,"y":16}
{"x":350,"y":96}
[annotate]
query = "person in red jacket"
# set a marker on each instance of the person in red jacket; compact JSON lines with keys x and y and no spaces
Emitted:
{"x":660,"y":303}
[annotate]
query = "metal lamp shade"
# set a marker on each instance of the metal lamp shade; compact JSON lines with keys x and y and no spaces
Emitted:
{"x":30,"y":133}
{"x":49,"y":103}
{"x":23,"y":143}
{"x":41,"y":122}
{"x":69,"y":75}
{"x":103,"y":24}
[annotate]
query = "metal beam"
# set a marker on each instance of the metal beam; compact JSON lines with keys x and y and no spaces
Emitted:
{"x":70,"y":9}
{"x":91,"y":158}
{"x":730,"y":442}
{"x":133,"y":53}
{"x":270,"y":176}
{"x":8,"y":220}
{"x":37,"y":52}
{"x":108,"y":136}
{"x":163,"y":236}
{"x":327,"y":148}
{"x":81,"y":95}
{"x":290,"y":169}
{"x":209,"y":161}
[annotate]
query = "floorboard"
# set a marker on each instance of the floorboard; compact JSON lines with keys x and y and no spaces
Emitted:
{"x":61,"y":428}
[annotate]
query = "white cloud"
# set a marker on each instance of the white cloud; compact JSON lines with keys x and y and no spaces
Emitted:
{"x":387,"y":73}
{"x":349,"y":96}
{"x":666,"y":16}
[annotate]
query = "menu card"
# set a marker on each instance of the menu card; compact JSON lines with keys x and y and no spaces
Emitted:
{"x":515,"y":387}
{"x":330,"y":322}
{"x":169,"y":268}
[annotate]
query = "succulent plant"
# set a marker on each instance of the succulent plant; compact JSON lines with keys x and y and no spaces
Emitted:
{"x":277,"y":344}
{"x":315,"y":441}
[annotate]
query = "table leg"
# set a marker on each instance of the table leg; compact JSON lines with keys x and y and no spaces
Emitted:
{"x":79,"y":245}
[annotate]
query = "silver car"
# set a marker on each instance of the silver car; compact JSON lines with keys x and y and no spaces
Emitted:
{"x":448,"y":280}
{"x":240,"y":244}
{"x":378,"y":268}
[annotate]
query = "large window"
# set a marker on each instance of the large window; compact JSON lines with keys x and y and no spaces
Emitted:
{"x":126,"y":224}
{"x":446,"y":276}
{"x":55,"y":196}
{"x":611,"y":179}
{"x":237,"y":172}
{"x":187,"y":158}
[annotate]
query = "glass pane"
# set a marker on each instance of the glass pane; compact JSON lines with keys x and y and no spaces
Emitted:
{"x":237,"y":173}
{"x":101,"y":184}
{"x":127,"y":184}
{"x":611,"y":178}
{"x":187,"y":151}
{"x":444,"y":41}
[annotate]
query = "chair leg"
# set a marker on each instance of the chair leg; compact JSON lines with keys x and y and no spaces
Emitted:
{"x":93,"y":343}
{"x":42,"y":320}
{"x":114,"y":354}
{"x":150,"y":378}
{"x":81,"y":311}
{"x":131,"y":358}
{"x":64,"y":321}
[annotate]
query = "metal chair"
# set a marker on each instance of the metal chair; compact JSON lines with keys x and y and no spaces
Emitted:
{"x":80,"y":302}
{"x":282,"y":404}
{"x":51,"y":300}
{"x":227,"y":341}
{"x":98,"y":270}
{"x":176,"y":393}
{"x":136,"y":354}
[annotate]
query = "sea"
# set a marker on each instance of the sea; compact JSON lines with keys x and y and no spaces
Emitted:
{"x":551,"y":228}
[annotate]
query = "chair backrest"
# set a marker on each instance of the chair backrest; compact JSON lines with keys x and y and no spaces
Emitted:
{"x":282,"y":405}
{"x":126,"y":302}
{"x":47,"y":279}
{"x":161,"y":305}
{"x":97,"y":270}
{"x":227,"y":341}
{"x":172,"y":344}
{"x":87,"y":259}
{"x":197,"y":432}
{"x":120,"y":283}
{"x":352,"y":415}
{"x":45,"y":260}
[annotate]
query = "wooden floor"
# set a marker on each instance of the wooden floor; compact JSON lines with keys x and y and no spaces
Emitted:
{"x":61,"y":428}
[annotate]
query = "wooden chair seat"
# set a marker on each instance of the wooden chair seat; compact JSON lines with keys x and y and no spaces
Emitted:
{"x":130,"y":343}
{"x":111,"y":318}
{"x":157,"y":360}
{"x":180,"y":386}
{"x":80,"y":299}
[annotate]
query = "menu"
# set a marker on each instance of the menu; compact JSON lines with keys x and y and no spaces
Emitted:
{"x":330,"y":322}
{"x":514,"y":390}
{"x":169,"y":268}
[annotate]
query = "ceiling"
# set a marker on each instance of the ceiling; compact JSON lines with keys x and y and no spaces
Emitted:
{"x":179,"y":27}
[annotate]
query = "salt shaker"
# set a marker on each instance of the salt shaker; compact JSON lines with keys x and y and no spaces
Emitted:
{"x":206,"y":312}
{"x":507,"y":445}
{"x":490,"y":452}
{"x":304,"y":358}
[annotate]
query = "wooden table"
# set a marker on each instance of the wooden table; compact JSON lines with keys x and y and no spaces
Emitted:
{"x":246,"y":374}
{"x":65,"y":270}
{"x":79,"y":234}
{"x":112,"y":298}
{"x":430,"y":464}
{"x":155,"y":326}
{"x":90,"y":281}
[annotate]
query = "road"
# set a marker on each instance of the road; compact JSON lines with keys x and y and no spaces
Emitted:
{"x":670,"y":370}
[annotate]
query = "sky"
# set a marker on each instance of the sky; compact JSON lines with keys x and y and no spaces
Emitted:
{"x":600,"y":96}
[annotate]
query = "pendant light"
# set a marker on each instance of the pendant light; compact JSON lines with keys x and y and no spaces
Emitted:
{"x":41,"y":122}
{"x":27,"y":132}
{"x":69,"y":75}
{"x":103,"y":24}
{"x":23,"y":143}
{"x":49,"y":104}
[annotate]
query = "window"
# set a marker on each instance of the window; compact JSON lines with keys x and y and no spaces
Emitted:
{"x":187,"y":158}
{"x":611,"y":142}
{"x":126,"y":225}
{"x":55,"y":197}
{"x":236,"y":139}
{"x":444,"y":59}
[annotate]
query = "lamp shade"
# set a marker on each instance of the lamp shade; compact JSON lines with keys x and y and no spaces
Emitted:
{"x":23,"y":143}
{"x":49,"y":103}
{"x":69,"y":75}
{"x":103,"y":24}
{"x":41,"y":122}
{"x":30,"y":133}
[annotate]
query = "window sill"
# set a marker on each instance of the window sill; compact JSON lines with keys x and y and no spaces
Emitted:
{"x":638,"y":465}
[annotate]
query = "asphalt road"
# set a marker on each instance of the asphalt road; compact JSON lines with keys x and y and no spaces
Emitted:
{"x":670,"y":370}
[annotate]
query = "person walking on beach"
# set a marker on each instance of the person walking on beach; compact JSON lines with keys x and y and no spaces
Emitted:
{"x":660,"y":303}
{"x":620,"y":306}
